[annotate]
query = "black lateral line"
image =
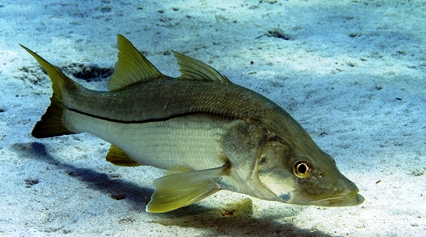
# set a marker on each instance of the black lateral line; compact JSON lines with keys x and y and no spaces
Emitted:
{"x":146,"y":120}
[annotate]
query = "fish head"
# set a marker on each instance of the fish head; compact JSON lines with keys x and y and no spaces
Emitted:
{"x":302,"y":176}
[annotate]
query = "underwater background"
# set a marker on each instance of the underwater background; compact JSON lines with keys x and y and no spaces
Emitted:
{"x":351,"y":72}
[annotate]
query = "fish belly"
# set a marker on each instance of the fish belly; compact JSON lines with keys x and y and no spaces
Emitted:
{"x":193,"y":141}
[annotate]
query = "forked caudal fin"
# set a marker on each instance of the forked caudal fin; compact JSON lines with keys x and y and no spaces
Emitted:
{"x":50,"y":124}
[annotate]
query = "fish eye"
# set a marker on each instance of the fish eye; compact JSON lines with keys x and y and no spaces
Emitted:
{"x":302,"y":169}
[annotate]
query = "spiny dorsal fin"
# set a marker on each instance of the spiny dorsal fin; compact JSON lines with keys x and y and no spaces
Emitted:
{"x":119,"y":157}
{"x":131,"y":67}
{"x":193,"y":69}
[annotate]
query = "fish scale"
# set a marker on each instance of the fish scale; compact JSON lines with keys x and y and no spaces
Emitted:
{"x":185,"y":141}
{"x":209,"y":133}
{"x":169,"y":97}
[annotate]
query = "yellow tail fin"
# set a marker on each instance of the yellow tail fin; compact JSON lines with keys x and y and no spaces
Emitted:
{"x":51,"y":122}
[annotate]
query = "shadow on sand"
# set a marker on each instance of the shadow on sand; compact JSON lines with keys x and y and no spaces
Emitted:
{"x":233,"y":220}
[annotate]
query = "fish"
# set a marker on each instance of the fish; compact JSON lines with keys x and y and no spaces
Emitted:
{"x":206,"y":132}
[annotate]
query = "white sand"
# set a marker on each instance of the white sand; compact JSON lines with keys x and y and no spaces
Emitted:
{"x":353,"y":71}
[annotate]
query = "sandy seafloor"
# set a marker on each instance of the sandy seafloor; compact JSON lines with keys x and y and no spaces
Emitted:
{"x":351,"y":71}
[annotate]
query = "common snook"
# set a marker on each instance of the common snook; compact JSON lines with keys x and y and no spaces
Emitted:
{"x":209,"y":133}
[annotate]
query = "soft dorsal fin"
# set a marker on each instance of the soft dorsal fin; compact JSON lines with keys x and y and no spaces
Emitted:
{"x":131,"y":67}
{"x":119,"y":157}
{"x":193,"y":69}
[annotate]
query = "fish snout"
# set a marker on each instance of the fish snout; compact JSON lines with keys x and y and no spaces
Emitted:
{"x":330,"y":190}
{"x":341,"y":193}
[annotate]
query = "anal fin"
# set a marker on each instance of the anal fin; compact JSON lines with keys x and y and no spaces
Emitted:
{"x":119,"y":157}
{"x":182,"y":189}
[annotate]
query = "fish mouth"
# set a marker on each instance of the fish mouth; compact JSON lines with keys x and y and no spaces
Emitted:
{"x":347,"y":199}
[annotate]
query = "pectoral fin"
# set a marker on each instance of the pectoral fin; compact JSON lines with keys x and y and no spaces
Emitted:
{"x":182,"y":189}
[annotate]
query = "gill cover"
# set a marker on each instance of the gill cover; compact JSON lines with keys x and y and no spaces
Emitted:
{"x":273,"y":169}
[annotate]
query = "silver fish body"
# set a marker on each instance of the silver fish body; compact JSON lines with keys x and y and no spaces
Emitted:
{"x":209,"y":133}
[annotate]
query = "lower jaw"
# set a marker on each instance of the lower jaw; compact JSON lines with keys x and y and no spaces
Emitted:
{"x":340,"y":201}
